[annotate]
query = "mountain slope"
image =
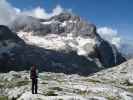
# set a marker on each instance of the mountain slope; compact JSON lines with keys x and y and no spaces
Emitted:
{"x":76,"y":49}
{"x":16,"y":55}
{"x":67,"y":32}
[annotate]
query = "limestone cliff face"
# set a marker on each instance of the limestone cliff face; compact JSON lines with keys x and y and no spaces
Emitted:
{"x":63,"y":43}
{"x":110,"y":84}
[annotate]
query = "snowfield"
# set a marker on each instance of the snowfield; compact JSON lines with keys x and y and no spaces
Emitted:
{"x":57,"y":42}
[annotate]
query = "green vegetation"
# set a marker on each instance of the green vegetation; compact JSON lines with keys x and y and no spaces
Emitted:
{"x":80,"y":92}
{"x":18,"y":83}
{"x":3,"y":98}
{"x":51,"y":93}
{"x":60,"y":81}
{"x":5,"y":84}
{"x":127,"y":83}
{"x":21,"y":83}
{"x":130,"y":89}
{"x":8,"y":84}
{"x":1,"y":85}
{"x":60,"y":99}
{"x":44,"y":77}
{"x":113,"y":98}
{"x":94,"y":81}
{"x":44,"y":82}
{"x":56,"y":88}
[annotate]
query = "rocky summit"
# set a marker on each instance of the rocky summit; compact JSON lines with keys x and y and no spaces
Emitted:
{"x":110,"y":84}
{"x":47,"y":52}
{"x":63,"y":43}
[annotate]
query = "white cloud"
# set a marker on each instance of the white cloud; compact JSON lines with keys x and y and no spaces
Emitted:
{"x":17,"y":10}
{"x":8,"y":12}
{"x":41,"y":12}
{"x":58,"y":9}
{"x":110,"y":35}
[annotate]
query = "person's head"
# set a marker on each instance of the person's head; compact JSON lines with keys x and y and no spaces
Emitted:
{"x":34,"y":66}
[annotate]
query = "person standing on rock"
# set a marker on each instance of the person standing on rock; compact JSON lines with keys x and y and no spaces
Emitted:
{"x":34,"y":76}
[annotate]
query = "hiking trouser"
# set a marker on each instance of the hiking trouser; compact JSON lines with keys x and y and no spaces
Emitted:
{"x":34,"y":86}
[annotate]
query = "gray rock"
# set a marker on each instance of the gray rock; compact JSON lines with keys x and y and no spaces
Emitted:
{"x":109,"y":84}
{"x":108,"y":54}
{"x":18,"y":53}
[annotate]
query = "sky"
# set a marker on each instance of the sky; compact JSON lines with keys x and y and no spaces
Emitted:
{"x":113,"y":18}
{"x":116,"y":14}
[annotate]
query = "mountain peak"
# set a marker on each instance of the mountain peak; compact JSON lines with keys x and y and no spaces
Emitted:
{"x":65,"y":36}
{"x":64,"y":23}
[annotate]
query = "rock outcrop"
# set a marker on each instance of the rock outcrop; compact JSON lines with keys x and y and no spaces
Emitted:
{"x":63,"y":43}
{"x":108,"y":53}
{"x":10,"y":43}
{"x":16,"y":55}
{"x":110,"y":84}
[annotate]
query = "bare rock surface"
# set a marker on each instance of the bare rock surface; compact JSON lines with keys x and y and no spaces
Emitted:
{"x":64,"y":43}
{"x":110,"y":84}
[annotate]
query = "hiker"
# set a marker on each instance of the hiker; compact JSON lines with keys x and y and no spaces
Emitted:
{"x":34,"y":76}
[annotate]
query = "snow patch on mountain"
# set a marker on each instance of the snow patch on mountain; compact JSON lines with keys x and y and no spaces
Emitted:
{"x":48,"y":22}
{"x":64,"y":24}
{"x":57,"y":42}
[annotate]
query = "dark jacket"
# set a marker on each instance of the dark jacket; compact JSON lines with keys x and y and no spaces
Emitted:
{"x":33,"y":73}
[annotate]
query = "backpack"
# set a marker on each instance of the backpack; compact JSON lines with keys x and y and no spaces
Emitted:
{"x":33,"y":74}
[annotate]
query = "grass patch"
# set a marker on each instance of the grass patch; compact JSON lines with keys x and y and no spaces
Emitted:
{"x":127,"y":83}
{"x":51,"y":93}
{"x":6,"y":84}
{"x":21,"y":83}
{"x":44,"y":77}
{"x":1,"y":85}
{"x":80,"y":92}
{"x":113,"y":98}
{"x":60,"y":99}
{"x":44,"y":83}
{"x":56,"y":88}
{"x":3,"y":98}
{"x":94,"y":81}
{"x":13,"y":84}
{"x":130,"y":89}
{"x":60,"y":81}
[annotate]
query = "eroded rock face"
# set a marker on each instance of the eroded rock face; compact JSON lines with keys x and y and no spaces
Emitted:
{"x":63,"y":23}
{"x":108,"y":54}
{"x":7,"y":34}
{"x":75,"y":46}
{"x":16,"y":55}
{"x":10,"y":44}
{"x":27,"y":24}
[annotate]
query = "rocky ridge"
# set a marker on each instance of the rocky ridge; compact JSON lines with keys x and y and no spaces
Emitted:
{"x":111,"y":84}
{"x":77,"y":49}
